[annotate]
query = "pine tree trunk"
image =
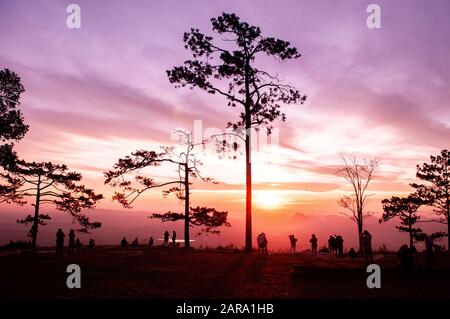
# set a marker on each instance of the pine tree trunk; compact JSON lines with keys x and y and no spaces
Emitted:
{"x":360,"y":230}
{"x":36,"y":214}
{"x":448,"y":224}
{"x":448,"y":235}
{"x":248,"y":163}
{"x":248,"y":198}
{"x":360,"y":225}
{"x":187,"y":243}
{"x":359,"y":209}
{"x":411,"y":241}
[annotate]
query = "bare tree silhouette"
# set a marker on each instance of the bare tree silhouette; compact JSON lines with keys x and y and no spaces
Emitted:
{"x":359,"y":173}
{"x":187,"y":166}
{"x":54,"y":184}
{"x":229,"y":70}
{"x":437,"y":191}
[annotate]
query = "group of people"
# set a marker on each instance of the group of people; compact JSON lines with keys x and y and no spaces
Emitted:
{"x":294,"y":241}
{"x":166,"y":238}
{"x":407,"y":254}
{"x":336,"y":246}
{"x":74,"y":244}
{"x":124,"y":242}
{"x":135,"y":242}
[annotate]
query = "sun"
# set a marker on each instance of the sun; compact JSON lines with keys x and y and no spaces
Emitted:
{"x":268,"y":199}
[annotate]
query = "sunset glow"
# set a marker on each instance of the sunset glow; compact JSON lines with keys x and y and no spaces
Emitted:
{"x":96,"y":94}
{"x":268,"y":200}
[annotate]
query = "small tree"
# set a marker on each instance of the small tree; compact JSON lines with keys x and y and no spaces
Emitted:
{"x":406,"y":209}
{"x":229,"y":69}
{"x":54,"y":184}
{"x":359,"y":173}
{"x":187,"y":165}
{"x":209,"y":219}
{"x":437,"y":190}
{"x":12,"y":128}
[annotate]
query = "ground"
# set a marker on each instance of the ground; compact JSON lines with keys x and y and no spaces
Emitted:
{"x":113,"y":272}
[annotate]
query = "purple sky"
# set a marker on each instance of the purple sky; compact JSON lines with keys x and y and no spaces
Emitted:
{"x":100,"y":92}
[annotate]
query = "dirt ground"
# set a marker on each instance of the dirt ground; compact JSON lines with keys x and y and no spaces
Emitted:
{"x":113,"y":272}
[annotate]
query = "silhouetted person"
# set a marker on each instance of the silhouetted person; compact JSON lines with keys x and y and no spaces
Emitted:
{"x":429,"y":253}
{"x":91,"y":244}
{"x":135,"y":242}
{"x":331,"y":245}
{"x":264,"y":243}
{"x":406,"y":258}
{"x":166,"y":239}
{"x":174,"y":238}
{"x":150,"y":242}
{"x":366,"y":241}
{"x":60,"y":241}
{"x":259,"y":242}
{"x":124,"y":242}
{"x":78,"y":245}
{"x":352,"y":253}
{"x":313,"y":242}
{"x":339,"y":246}
{"x":293,"y":241}
{"x":71,"y":242}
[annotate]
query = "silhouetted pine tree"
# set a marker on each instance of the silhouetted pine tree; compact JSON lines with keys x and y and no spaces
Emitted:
{"x":12,"y":128}
{"x":436,"y":191}
{"x":406,"y":209}
{"x":187,"y":166}
{"x":53,"y":184}
{"x":229,"y":69}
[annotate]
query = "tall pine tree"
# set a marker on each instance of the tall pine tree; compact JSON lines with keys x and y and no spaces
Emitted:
{"x":436,"y":189}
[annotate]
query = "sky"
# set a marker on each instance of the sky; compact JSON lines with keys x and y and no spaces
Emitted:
{"x":97,"y":93}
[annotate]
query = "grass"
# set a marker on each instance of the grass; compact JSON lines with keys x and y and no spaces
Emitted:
{"x":113,"y":272}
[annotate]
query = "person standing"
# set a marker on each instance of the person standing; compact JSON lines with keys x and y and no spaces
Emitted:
{"x":124,"y":242}
{"x":174,"y":238}
{"x":60,"y":241}
{"x":259,"y":241}
{"x":340,"y":246}
{"x":331,"y":245}
{"x":166,"y":239}
{"x":264,"y":243}
{"x":150,"y":242}
{"x":71,"y":242}
{"x":293,"y":241}
{"x":366,"y":240}
{"x":313,"y":242}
